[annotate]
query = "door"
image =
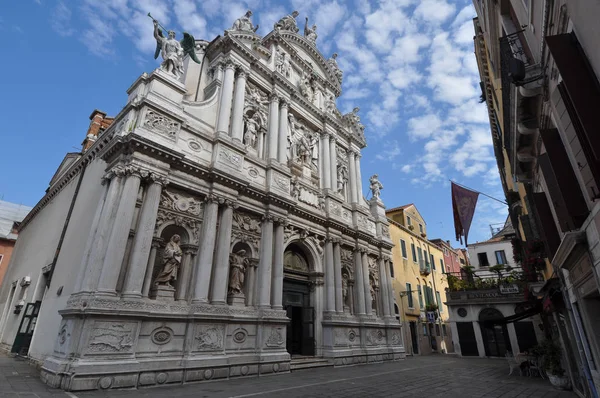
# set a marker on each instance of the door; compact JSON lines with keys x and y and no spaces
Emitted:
{"x":26,"y":328}
{"x":466,"y":339}
{"x":495,"y":339}
{"x":308,"y":331}
{"x":414,"y":337}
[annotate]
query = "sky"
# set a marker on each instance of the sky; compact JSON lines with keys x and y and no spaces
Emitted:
{"x":408,"y":64}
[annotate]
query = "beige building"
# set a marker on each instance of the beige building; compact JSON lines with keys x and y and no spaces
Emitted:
{"x":419,"y":283}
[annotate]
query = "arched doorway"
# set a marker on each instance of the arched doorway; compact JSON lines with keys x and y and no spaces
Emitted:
{"x":495,"y":335}
{"x":297,"y":302}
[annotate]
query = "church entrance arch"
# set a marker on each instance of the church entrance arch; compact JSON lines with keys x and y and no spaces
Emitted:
{"x":297,"y":301}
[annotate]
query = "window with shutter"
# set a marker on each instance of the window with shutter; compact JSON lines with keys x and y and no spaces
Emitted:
{"x":558,"y":203}
{"x":548,"y":227}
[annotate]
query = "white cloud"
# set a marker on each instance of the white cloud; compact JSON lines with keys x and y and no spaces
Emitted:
{"x":61,"y":20}
{"x":189,"y":18}
{"x":464,"y":34}
{"x":327,"y":17}
{"x":466,"y":14}
{"x":434,"y":11}
{"x":407,"y":168}
{"x":391,"y":151}
{"x":423,"y":126}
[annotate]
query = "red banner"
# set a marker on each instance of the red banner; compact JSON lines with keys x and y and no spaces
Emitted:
{"x":463,"y":206}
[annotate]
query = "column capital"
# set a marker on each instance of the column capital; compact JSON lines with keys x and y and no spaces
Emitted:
{"x":212,"y":198}
{"x":229,"y":203}
{"x":268,"y":217}
{"x":283,"y":221}
{"x":228,"y":63}
{"x":325,"y":134}
{"x":351,"y":153}
{"x":273,"y":97}
{"x":241,"y":72}
{"x":157,"y":178}
{"x":136,"y":170}
{"x":283,"y":104}
{"x":189,"y":249}
{"x":332,"y":138}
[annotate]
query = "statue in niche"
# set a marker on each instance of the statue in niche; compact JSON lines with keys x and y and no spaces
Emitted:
{"x":282,"y":63}
{"x":375,"y":186}
{"x":294,"y":132}
{"x":342,"y":177}
{"x":334,"y":66}
{"x":310,"y":33}
{"x":251,"y":132}
{"x":171,"y":260}
{"x":288,"y":23}
{"x":317,"y":96}
{"x":238,"y":263}
{"x":330,"y":104}
{"x":306,"y":87}
{"x":345,"y":289}
{"x":244,"y":23}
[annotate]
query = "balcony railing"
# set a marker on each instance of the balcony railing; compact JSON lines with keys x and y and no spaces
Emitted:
{"x":506,"y":281}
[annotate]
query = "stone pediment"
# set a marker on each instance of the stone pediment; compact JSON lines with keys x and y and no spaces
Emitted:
{"x":305,"y":53}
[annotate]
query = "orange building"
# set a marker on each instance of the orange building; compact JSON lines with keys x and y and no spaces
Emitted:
{"x":11,"y":215}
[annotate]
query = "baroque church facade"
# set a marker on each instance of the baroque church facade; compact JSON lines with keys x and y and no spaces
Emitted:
{"x":227,"y":230}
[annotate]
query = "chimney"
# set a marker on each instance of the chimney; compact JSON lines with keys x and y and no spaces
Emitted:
{"x":97,"y":117}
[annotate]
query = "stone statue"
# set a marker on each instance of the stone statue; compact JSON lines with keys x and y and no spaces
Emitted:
{"x":352,"y":119}
{"x":344,"y":288}
{"x":330,"y":104}
{"x":256,"y":96}
{"x":244,"y":23}
{"x":375,"y":186}
{"x":306,"y":87}
{"x":334,"y":66}
{"x":171,"y":262}
{"x":238,"y":263}
{"x":287,"y":66}
{"x":288,"y":23}
{"x":282,"y":63}
{"x":310,"y":33}
{"x":173,"y":51}
{"x":252,"y":127}
{"x":342,"y":177}
{"x":317,"y":94}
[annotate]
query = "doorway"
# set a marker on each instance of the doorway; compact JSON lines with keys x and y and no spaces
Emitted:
{"x":495,"y":335}
{"x":300,"y":339}
{"x":466,"y":339}
{"x":414,"y":337}
{"x":26,"y":328}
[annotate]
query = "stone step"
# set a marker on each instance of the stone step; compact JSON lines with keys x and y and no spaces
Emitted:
{"x":309,"y":363}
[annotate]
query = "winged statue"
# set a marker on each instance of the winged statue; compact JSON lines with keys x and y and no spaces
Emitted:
{"x":173,"y":50}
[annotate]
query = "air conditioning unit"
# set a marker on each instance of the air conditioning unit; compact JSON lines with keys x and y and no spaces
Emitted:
{"x":26,"y":281}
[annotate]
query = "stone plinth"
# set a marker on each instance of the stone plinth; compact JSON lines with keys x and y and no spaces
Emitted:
{"x":238,"y":300}
{"x":163,"y":292}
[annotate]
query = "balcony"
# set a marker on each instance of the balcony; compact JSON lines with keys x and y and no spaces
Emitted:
{"x":424,"y":267}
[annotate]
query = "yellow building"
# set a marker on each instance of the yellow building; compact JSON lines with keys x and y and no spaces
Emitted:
{"x":419,"y":283}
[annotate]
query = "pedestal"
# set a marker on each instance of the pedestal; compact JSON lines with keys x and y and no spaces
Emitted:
{"x":238,"y":300}
{"x":163,"y":292}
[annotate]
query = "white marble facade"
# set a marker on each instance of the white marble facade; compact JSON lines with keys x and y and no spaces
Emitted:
{"x":228,"y":194}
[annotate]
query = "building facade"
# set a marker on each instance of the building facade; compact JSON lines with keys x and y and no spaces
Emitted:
{"x":11,"y":215}
{"x":539,"y":66}
{"x":451,"y":256}
{"x":219,"y":219}
{"x":419,"y":284}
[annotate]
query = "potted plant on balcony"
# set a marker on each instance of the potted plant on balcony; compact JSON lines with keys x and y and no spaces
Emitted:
{"x":551,"y":355}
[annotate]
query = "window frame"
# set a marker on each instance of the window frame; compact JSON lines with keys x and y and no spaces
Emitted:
{"x":411,"y":303}
{"x":391,"y":269}
{"x":403,"y":250}
{"x":408,"y":221}
{"x":486,"y":259}
{"x":414,"y":252}
{"x":438,"y":297}
{"x":421,"y":228}
{"x":432,"y":259}
{"x":502,"y":255}
{"x":420,"y":296}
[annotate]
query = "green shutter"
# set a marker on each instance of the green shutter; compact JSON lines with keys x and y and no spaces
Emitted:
{"x":420,"y":293}
{"x":439,"y":300}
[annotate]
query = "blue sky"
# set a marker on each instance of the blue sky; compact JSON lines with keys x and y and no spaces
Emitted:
{"x":408,"y":64}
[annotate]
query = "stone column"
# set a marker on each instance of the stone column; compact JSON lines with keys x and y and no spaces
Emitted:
{"x":277,"y":270}
{"x":117,"y":243}
{"x":98,"y":250}
{"x":329,"y":276}
{"x":226,"y":96}
{"x":237,"y":118}
{"x":142,"y":240}
{"x":352,"y":176}
{"x":383,"y":283}
{"x":333,"y":162}
{"x":221,"y":269}
{"x":150,"y":267}
{"x":367,"y":284}
{"x":390,"y":289}
{"x":92,"y":236}
{"x":204,"y":259}
{"x":273,"y":129}
{"x":337,"y":269}
{"x":359,"y":193}
{"x":185,"y":273}
{"x":283,"y":133}
{"x":325,"y":151}
{"x":264,"y":266}
{"x":359,"y":282}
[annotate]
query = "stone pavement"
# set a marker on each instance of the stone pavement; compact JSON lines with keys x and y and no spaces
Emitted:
{"x":427,"y":376}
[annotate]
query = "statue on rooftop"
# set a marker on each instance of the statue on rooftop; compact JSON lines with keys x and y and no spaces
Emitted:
{"x":310,"y":33}
{"x":244,"y":23}
{"x":288,"y":23}
{"x":375,"y":186}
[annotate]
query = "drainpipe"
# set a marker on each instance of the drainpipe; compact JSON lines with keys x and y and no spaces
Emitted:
{"x":66,"y":224}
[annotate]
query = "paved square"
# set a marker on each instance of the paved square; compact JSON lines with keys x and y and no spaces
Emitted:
{"x":428,"y":376}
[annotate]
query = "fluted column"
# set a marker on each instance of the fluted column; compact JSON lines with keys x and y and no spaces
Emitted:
{"x":359,"y":282}
{"x":204,"y":259}
{"x":109,"y":210}
{"x":367,"y":284}
{"x":221,"y":269}
{"x":273,"y":129}
{"x":93,"y":235}
{"x":142,"y":240}
{"x":237,"y":118}
{"x":277,"y":270}
{"x":325,"y":152}
{"x":283,"y":132}
{"x":150,"y":267}
{"x":265,"y":263}
{"x":359,"y":192}
{"x":117,"y":243}
{"x":329,"y":276}
{"x":185,"y":273}
{"x":384,"y":288}
{"x":226,"y":97}
{"x":333,"y":162}
{"x":352,"y":177}
{"x":337,"y":269}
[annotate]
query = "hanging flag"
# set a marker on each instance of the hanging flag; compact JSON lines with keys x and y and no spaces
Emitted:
{"x":463,"y":207}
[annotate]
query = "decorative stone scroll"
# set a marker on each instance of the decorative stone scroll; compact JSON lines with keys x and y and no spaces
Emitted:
{"x":181,"y":203}
{"x":180,"y":209}
{"x":161,"y":124}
